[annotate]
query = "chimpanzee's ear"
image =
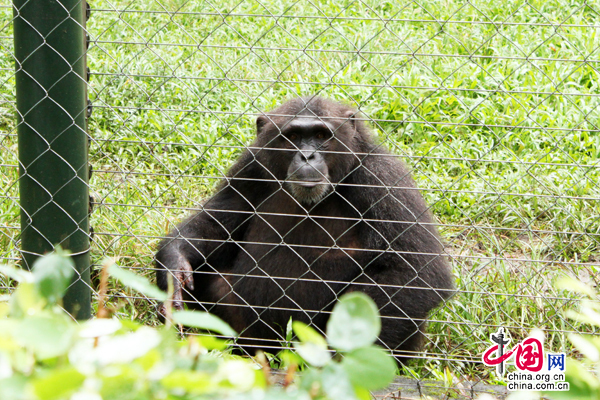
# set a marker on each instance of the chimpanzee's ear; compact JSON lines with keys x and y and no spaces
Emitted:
{"x":261,"y":121}
{"x":350,"y":115}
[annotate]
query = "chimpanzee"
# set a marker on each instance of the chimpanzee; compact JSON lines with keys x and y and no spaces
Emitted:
{"x":313,"y":209}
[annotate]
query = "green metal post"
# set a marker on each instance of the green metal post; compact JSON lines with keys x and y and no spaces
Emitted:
{"x":51,"y":102}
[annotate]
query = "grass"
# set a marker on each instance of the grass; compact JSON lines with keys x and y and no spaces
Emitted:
{"x":494,"y":105}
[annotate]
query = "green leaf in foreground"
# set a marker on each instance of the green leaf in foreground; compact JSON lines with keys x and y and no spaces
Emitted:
{"x":582,"y":383}
{"x":16,"y":274}
{"x":354,"y":322}
{"x":203,"y":320}
{"x":307,"y":334}
{"x":52,"y":275}
{"x":370,"y":368}
{"x":47,"y":335}
{"x":58,"y":384}
{"x":26,"y":300}
{"x":585,"y":346}
{"x":568,"y":283}
{"x":189,"y":381}
{"x":336,"y":383}
{"x":313,"y":354}
{"x":136,"y":282}
{"x":13,"y":388}
{"x":313,"y":347}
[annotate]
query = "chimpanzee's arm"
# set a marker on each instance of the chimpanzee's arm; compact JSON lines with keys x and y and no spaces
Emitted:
{"x":408,"y":255}
{"x":397,"y":221}
{"x":211,"y":234}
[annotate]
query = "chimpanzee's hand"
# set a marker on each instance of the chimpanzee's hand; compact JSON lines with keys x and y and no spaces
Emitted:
{"x":182,"y":278}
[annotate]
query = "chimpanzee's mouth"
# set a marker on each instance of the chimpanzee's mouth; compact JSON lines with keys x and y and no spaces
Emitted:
{"x":309,"y":183}
{"x":309,"y":191}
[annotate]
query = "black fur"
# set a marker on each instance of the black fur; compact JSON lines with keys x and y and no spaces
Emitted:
{"x":260,"y":255}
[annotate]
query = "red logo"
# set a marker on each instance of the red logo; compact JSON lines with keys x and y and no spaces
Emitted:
{"x":529,"y":354}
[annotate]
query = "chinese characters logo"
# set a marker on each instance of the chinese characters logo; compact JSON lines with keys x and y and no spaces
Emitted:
{"x":529,"y":354}
{"x":532,"y":373}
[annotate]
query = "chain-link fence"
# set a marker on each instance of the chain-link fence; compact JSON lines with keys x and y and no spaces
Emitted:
{"x":493,"y":105}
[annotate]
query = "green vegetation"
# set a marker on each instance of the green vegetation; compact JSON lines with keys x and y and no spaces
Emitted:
{"x":494,"y":105}
{"x":45,"y":355}
{"x":584,"y":382}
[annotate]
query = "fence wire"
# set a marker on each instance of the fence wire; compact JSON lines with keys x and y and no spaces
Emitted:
{"x":493,"y":105}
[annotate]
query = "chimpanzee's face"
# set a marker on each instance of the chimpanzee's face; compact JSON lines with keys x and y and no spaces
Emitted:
{"x":309,"y":153}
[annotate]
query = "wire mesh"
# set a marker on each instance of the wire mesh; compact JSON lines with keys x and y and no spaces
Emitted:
{"x":493,"y":105}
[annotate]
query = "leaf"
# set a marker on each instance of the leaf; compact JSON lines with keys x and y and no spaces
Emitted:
{"x":113,"y":350}
{"x":336,"y":383}
{"x":586,"y":315}
{"x":211,"y":342}
{"x":590,"y":312}
{"x":7,"y":344}
{"x":310,"y":381}
{"x":307,"y":334}
{"x":58,"y":384}
{"x":99,"y":327}
{"x":52,"y":275}
{"x":16,"y":274}
{"x":354,"y":322}
{"x":288,"y":358}
{"x":573,"y":285}
{"x":313,"y":347}
{"x":582,"y":383}
{"x":203,"y":320}
{"x":289,"y":331}
{"x":370,"y":368}
{"x":151,"y":359}
{"x":48,"y":335}
{"x":123,"y":383}
{"x":237,"y":373}
{"x":313,"y":353}
{"x":13,"y":388}
{"x":362,"y":393}
{"x":585,"y":347}
{"x":188,"y":381}
{"x":137,"y":283}
{"x":26,"y":300}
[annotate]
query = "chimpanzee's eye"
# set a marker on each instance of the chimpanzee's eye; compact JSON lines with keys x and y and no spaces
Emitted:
{"x":323,"y":134}
{"x":293,"y":137}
